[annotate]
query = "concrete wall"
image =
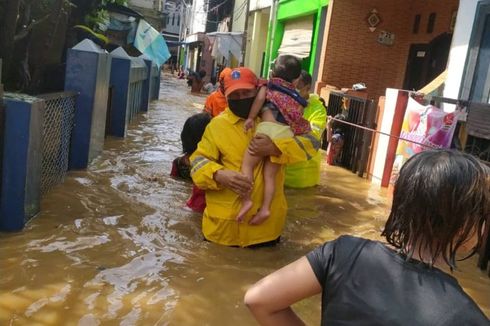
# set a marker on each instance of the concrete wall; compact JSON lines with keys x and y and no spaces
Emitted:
{"x":259,"y":4}
{"x":173,"y":13}
{"x":239,"y":16}
{"x":198,"y":17}
{"x":459,"y":47}
{"x":258,"y":23}
{"x":352,"y":53}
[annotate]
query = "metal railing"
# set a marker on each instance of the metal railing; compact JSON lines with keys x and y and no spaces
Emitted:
{"x":358,"y":111}
{"x":57,"y":127}
{"x":477,"y":145}
{"x":154,"y":83}
{"x":135,"y":98}
{"x":135,"y":94}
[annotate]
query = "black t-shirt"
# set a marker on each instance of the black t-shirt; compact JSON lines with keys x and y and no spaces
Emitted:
{"x":366,"y":283}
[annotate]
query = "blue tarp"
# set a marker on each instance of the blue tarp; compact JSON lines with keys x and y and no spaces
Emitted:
{"x":151,"y":43}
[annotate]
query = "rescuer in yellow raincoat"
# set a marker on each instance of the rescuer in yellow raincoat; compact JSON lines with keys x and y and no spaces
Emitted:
{"x":307,"y":173}
{"x":216,"y":168}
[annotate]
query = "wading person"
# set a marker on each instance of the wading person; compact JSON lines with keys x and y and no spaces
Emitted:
{"x":211,"y":86}
{"x":281,"y":111}
{"x":307,"y":173}
{"x":190,"y":136}
{"x":216,"y":101}
{"x":335,"y":138}
{"x":440,"y":204}
{"x":196,"y":80}
{"x":216,"y":169}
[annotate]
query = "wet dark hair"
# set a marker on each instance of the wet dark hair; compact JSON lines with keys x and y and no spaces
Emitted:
{"x":193,"y":130}
{"x":441,"y":200}
{"x":287,"y":67}
{"x":305,"y":78}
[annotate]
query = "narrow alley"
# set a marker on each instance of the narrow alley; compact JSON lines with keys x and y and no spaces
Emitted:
{"x":113,"y":245}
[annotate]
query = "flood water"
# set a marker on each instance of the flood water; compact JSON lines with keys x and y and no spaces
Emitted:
{"x":114,"y":246}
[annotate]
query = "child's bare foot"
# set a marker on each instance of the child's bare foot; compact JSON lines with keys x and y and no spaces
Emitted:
{"x":260,"y":217}
{"x":246,"y":205}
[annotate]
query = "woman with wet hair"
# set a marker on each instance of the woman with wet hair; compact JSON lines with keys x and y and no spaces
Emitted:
{"x":190,"y":136}
{"x":441,"y":205}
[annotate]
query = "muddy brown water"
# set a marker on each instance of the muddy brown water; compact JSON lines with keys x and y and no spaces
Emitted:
{"x":113,"y":245}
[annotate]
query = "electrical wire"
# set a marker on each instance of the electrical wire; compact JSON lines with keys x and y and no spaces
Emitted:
{"x":217,"y":6}
{"x":239,"y":12}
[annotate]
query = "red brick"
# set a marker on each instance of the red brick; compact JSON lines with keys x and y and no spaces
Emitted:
{"x":353,"y":53}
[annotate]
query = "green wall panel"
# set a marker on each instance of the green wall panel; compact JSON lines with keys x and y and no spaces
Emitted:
{"x":289,"y":9}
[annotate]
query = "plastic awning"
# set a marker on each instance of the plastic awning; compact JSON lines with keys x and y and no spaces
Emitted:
{"x":297,"y":37}
{"x":226,"y":43}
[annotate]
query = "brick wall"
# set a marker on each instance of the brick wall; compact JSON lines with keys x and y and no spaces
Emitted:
{"x":352,"y":53}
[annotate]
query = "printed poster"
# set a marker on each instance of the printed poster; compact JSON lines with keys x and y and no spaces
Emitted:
{"x":427,"y":125}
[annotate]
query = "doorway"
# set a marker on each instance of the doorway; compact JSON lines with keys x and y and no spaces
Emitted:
{"x":416,"y":67}
{"x":426,"y":61}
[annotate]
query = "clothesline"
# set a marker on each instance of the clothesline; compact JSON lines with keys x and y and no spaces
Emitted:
{"x":382,"y":133}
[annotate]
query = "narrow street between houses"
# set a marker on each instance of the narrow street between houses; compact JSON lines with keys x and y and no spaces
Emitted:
{"x":113,"y":245}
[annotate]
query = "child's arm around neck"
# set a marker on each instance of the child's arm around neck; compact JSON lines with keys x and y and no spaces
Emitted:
{"x":256,"y":107}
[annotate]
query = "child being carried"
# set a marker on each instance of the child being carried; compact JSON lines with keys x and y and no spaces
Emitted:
{"x":282,"y":117}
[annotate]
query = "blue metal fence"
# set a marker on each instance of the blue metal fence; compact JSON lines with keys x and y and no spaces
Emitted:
{"x":128,"y":79}
{"x":135,"y":95}
{"x":36,"y":146}
{"x":88,"y":70}
{"x":155,"y":82}
{"x":42,"y":137}
{"x":21,"y":160}
{"x":58,"y":119}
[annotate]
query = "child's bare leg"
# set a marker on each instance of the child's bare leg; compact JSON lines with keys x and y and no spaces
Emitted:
{"x":270,"y":172}
{"x":267,"y":116}
{"x":248,"y":165}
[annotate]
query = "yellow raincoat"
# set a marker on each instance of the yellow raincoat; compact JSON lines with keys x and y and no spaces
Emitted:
{"x":222,"y":147}
{"x":307,"y":173}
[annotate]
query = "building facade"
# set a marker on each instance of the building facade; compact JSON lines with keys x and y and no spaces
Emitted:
{"x":471,"y":45}
{"x":152,"y":10}
{"x":396,"y":43}
{"x":175,"y":15}
{"x":297,"y":27}
{"x":258,"y":24}
{"x":466,"y":81}
{"x":215,"y":38}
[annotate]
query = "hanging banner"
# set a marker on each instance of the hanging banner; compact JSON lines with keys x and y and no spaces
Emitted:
{"x":424,"y":127}
{"x":151,"y":43}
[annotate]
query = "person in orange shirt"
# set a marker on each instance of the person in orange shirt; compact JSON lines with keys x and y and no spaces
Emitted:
{"x":216,"y":101}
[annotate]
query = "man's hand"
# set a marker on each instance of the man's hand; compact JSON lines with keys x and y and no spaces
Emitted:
{"x":234,"y":181}
{"x":262,"y":145}
{"x":249,"y":124}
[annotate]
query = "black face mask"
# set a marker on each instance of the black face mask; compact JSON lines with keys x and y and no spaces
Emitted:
{"x":241,"y":108}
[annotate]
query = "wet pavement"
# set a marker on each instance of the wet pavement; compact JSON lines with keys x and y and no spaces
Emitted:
{"x":114,"y":245}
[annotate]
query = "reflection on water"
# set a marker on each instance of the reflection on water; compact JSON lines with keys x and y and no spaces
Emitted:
{"x":114,"y":246}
